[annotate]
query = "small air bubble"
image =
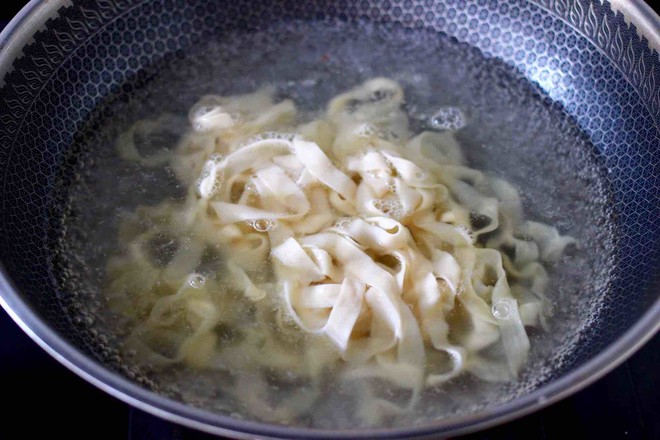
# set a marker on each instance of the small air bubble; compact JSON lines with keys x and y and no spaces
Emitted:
{"x":196,"y":281}
{"x":208,"y":189}
{"x":343,"y":223}
{"x":448,"y":118}
{"x":263,"y":224}
{"x":502,"y":309}
{"x":389,"y":207}
{"x":467,"y":233}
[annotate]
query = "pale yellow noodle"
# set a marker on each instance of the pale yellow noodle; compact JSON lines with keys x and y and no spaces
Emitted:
{"x":368,"y":232}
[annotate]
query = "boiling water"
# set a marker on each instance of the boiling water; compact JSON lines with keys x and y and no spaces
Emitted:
{"x":505,"y":125}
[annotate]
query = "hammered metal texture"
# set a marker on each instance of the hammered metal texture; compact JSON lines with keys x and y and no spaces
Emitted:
{"x":581,"y":53}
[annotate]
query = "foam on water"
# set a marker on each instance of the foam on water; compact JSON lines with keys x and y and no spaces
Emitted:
{"x":448,"y":118}
{"x":510,"y":130}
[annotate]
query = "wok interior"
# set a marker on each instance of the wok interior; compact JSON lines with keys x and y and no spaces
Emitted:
{"x":606,"y":148}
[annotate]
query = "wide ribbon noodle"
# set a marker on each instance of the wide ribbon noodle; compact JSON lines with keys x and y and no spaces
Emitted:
{"x":342,"y":247}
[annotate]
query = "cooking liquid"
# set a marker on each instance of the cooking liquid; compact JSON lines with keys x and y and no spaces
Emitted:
{"x":505,"y":125}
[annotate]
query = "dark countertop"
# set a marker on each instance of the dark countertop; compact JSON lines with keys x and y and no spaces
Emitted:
{"x":625,"y":404}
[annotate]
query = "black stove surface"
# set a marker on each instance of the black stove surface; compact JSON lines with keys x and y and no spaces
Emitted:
{"x":42,"y":398}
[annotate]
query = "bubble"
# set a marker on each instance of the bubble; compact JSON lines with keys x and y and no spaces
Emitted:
{"x":420,"y":175}
{"x":467,"y":233}
{"x":389,"y":207}
{"x":448,"y":118}
{"x":267,"y":135}
{"x":216,"y":157}
{"x":216,"y":187}
{"x":208,"y":189}
{"x":251,"y":188}
{"x":263,"y":224}
{"x":196,"y":281}
{"x":502,"y":309}
{"x":343,"y":223}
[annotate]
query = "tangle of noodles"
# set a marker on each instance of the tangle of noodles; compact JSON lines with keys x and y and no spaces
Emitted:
{"x":343,"y":245}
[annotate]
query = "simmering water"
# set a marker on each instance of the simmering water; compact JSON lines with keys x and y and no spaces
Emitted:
{"x":504,"y":123}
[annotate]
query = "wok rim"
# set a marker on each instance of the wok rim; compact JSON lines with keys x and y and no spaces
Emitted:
{"x":21,"y":27}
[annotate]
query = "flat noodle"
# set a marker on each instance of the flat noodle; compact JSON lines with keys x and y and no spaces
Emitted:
{"x":367,"y":248}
